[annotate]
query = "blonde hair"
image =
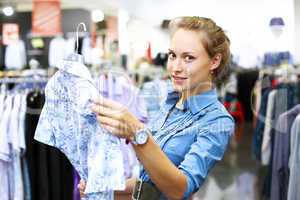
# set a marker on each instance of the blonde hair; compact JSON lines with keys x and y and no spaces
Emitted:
{"x":215,"y":41}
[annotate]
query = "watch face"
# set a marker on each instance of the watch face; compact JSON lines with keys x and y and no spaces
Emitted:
{"x":141,"y":137}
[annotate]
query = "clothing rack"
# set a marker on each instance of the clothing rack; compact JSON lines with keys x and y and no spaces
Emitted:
{"x":24,"y":80}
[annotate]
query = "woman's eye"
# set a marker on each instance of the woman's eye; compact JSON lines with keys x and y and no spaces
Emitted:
{"x":188,"y":58}
{"x":171,"y":56}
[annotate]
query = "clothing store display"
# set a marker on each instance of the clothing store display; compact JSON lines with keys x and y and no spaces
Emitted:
{"x":273,"y":128}
{"x":56,"y":51}
{"x":273,"y":59}
{"x":282,"y":152}
{"x":50,"y":171}
{"x":202,"y":142}
{"x":67,"y":123}
{"x":257,"y":135}
{"x":15,"y":55}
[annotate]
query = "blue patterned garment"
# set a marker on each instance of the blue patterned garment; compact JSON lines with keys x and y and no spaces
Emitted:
{"x":66,"y":122}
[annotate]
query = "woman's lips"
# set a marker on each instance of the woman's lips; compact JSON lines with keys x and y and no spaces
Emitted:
{"x":178,"y":79}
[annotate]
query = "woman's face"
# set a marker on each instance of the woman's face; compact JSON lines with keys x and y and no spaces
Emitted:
{"x":188,"y":63}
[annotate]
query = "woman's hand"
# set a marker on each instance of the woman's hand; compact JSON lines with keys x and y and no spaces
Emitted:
{"x":116,"y":118}
{"x":81,"y":187}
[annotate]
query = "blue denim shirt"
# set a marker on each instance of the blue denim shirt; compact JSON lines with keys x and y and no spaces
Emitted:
{"x":194,"y":138}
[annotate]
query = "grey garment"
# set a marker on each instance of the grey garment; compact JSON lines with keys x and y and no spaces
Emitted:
{"x":269,"y":123}
{"x":26,"y":180}
{"x":281,"y":152}
{"x":294,"y":162}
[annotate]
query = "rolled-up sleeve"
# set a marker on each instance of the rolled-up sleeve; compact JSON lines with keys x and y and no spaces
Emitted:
{"x":209,"y":148}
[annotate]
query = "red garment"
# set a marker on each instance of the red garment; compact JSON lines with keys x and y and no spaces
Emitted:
{"x":236,"y":110}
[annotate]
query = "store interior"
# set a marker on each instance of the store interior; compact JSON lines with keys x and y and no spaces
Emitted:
{"x":124,"y":44}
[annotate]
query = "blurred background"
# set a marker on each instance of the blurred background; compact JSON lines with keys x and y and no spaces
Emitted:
{"x":124,"y":44}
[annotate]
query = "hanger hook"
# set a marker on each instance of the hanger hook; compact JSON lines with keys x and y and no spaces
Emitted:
{"x":77,"y":36}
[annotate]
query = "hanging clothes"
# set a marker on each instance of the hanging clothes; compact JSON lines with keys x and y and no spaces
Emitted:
{"x":29,"y":170}
{"x":294,"y":182}
{"x":269,"y":123}
{"x":50,"y":173}
{"x":70,"y":46}
{"x":56,"y":51}
{"x":15,"y":55}
{"x":86,"y":50}
{"x":121,"y":90}
{"x":280,"y":178}
{"x":67,"y":123}
{"x":275,"y":59}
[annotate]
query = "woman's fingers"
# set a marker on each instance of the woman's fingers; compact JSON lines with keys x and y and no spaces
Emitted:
{"x":81,"y":187}
{"x":108,"y":112}
{"x":110,"y":122}
{"x":107,"y":103}
{"x":113,"y":130}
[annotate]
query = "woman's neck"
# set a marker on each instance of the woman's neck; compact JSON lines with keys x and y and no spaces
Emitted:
{"x":188,"y":93}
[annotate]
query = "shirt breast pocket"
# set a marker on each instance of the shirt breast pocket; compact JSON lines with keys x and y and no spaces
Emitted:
{"x":179,"y":144}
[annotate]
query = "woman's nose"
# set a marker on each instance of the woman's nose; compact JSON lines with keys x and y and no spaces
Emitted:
{"x":178,"y":65}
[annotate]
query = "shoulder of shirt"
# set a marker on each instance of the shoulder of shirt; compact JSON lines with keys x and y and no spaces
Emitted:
{"x":216,"y":117}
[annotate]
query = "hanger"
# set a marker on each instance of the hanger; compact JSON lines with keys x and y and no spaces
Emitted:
{"x":76,"y":57}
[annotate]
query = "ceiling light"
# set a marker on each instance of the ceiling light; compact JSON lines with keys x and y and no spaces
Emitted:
{"x":97,"y":16}
{"x":8,"y":11}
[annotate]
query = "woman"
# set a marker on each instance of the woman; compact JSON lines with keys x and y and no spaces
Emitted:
{"x":180,"y":147}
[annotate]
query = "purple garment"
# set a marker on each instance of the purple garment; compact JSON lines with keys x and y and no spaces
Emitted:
{"x":76,"y":177}
{"x":124,"y":92}
{"x":281,"y":154}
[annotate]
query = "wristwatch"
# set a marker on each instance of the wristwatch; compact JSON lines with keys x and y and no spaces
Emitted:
{"x":141,"y":137}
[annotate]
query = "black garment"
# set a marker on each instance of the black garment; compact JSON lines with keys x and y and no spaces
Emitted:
{"x":1,"y":56}
{"x":246,"y":80}
{"x":260,"y":124}
{"x":50,"y":172}
{"x":161,"y":59}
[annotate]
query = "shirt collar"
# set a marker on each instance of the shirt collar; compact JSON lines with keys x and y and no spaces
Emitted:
{"x":194,"y":103}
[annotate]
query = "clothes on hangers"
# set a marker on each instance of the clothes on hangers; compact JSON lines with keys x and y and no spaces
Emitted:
{"x":86,"y":50}
{"x":274,"y":59}
{"x":56,"y":51}
{"x":67,"y":123}
{"x":29,"y":170}
{"x":50,"y":172}
{"x":15,"y":55}
{"x":280,"y":176}
{"x":294,"y":161}
{"x":269,"y":124}
{"x":121,"y":90}
{"x":12,"y":147}
{"x":70,"y":46}
{"x":272,"y":135}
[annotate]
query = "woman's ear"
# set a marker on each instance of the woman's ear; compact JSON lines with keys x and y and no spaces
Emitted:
{"x":215,"y":61}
